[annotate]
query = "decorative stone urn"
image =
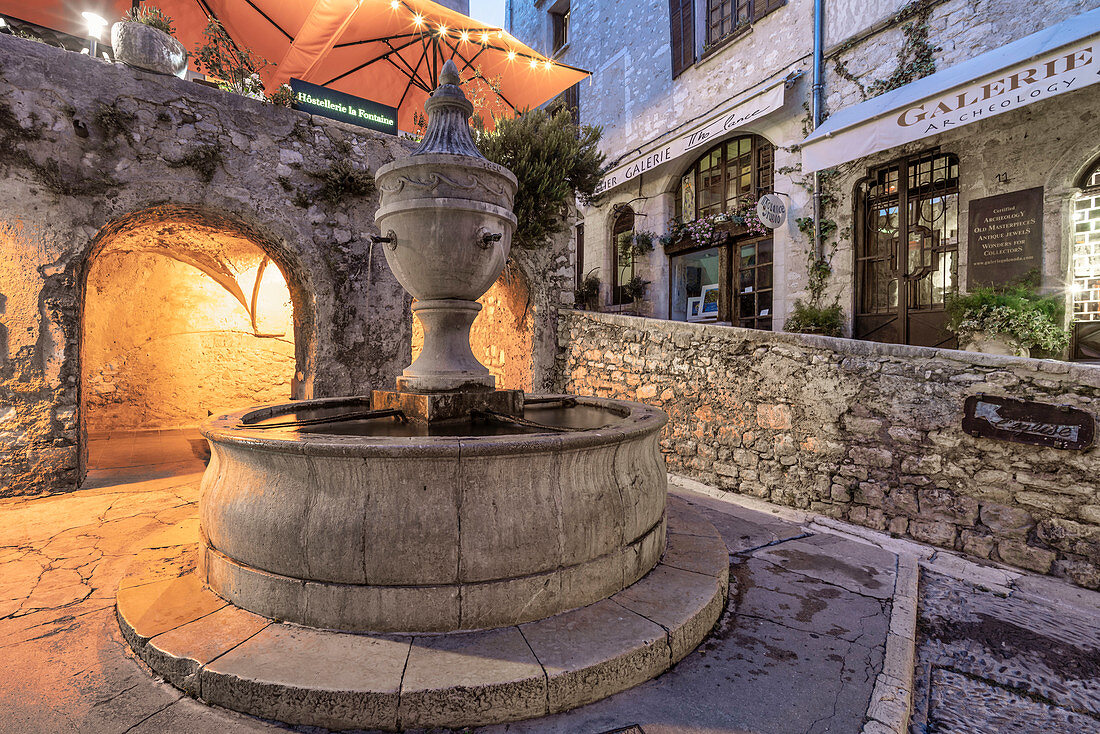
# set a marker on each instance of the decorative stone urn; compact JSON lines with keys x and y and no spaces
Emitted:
{"x":148,"y":48}
{"x":447,"y":222}
{"x":995,"y":344}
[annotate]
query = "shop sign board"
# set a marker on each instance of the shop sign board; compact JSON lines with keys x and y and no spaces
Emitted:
{"x":1005,"y":239}
{"x":318,"y":100}
{"x":1038,"y":67}
{"x":696,"y":139}
{"x":1026,"y":421}
{"x":771,"y":211}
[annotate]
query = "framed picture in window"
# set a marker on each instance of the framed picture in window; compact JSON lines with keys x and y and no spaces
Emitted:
{"x":695,"y":308}
{"x":709,"y":309}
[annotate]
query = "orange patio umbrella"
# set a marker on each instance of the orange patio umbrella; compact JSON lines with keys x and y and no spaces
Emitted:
{"x":388,"y":51}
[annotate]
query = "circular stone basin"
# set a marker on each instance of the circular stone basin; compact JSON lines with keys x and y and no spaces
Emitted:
{"x":377,"y":525}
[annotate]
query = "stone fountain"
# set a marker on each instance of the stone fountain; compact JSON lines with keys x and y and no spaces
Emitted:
{"x":442,"y":522}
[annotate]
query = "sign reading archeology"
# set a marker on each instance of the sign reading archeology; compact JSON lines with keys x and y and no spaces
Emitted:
{"x":318,"y":100}
{"x":1024,"y":421}
{"x":1006,"y":237}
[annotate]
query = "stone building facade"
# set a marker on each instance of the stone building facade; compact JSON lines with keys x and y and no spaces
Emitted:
{"x":705,"y":106}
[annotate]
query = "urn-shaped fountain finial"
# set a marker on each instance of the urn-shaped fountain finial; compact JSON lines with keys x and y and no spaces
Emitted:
{"x":448,"y":118}
{"x":447,"y":215}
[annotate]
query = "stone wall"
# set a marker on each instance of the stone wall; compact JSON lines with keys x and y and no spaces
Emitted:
{"x":92,"y":151}
{"x":865,"y":432}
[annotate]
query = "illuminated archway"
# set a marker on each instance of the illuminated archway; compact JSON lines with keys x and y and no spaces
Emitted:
{"x":184,"y":314}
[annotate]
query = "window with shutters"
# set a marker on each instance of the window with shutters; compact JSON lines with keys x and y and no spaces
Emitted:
{"x":725,"y":18}
{"x":682,"y":34}
{"x":559,"y":21}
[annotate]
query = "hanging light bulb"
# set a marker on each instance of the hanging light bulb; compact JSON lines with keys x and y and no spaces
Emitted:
{"x":418,"y":20}
{"x":465,"y":36}
{"x":442,"y":31}
{"x":395,"y":4}
{"x":511,"y":55}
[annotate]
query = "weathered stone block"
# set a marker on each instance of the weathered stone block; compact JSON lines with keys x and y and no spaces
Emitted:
{"x":936,"y":533}
{"x":1019,"y":553}
{"x":1006,"y":521}
{"x":941,"y":504}
{"x":881,"y":458}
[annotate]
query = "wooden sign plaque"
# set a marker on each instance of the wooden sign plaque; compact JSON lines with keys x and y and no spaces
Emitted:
{"x":1024,"y":421}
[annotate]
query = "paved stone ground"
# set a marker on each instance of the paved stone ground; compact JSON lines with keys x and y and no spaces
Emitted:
{"x":1019,"y":657}
{"x":798,"y":648}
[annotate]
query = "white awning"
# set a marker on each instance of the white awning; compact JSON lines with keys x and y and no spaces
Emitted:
{"x":1054,"y":61}
{"x":736,"y":114}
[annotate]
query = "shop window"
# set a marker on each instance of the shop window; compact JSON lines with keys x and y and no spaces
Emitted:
{"x":729,"y":282}
{"x":693,"y":277}
{"x":907,"y":250}
{"x":727,"y":177}
{"x":1086,"y":269}
{"x":754,"y":284}
{"x":622,"y":270}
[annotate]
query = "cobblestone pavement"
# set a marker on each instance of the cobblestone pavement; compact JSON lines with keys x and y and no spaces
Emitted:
{"x":797,"y":650}
{"x":1023,"y":657}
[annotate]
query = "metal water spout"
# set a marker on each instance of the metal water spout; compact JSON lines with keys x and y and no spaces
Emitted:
{"x":446,"y":218}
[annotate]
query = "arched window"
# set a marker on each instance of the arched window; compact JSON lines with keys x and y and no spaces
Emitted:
{"x":622,"y":263}
{"x":728,"y":281}
{"x":1086,"y":267}
{"x":907,"y":250}
{"x":726,"y":177}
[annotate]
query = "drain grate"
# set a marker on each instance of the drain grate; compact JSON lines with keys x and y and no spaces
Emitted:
{"x":632,"y":729}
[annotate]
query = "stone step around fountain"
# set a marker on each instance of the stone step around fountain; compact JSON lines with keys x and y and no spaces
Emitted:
{"x":229,"y":657}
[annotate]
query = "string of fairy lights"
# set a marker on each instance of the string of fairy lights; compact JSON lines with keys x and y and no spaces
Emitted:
{"x":481,"y":36}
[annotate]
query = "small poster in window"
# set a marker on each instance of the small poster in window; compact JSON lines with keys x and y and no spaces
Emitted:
{"x":694,"y":308}
{"x":688,"y":196}
{"x":710,"y":301}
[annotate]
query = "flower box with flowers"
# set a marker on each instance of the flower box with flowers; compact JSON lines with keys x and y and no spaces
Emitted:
{"x":713,"y":230}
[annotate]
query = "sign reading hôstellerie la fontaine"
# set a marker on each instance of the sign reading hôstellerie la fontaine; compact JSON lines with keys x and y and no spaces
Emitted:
{"x":318,"y":100}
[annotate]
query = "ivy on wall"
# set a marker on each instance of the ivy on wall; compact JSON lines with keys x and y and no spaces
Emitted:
{"x":916,"y":58}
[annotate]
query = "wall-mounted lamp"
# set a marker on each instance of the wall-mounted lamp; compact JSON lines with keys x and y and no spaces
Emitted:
{"x":97,"y":24}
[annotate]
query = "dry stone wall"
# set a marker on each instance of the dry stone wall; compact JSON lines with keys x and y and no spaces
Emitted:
{"x":91,"y":151}
{"x":865,"y":432}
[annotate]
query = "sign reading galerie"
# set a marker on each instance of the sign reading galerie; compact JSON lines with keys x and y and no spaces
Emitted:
{"x":326,"y":102}
{"x":707,"y":133}
{"x":1029,"y":70}
{"x":1005,"y":239}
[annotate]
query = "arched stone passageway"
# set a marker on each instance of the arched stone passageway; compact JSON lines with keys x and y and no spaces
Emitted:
{"x":184,"y":314}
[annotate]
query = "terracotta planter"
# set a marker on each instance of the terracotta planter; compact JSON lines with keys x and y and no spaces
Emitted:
{"x":995,"y":344}
{"x":145,"y":47}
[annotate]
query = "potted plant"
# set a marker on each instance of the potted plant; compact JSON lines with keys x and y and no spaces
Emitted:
{"x":235,"y":69}
{"x":635,"y":290}
{"x":587,"y":294}
{"x":143,"y":39}
{"x":814,"y":316}
{"x":1014,"y":320}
